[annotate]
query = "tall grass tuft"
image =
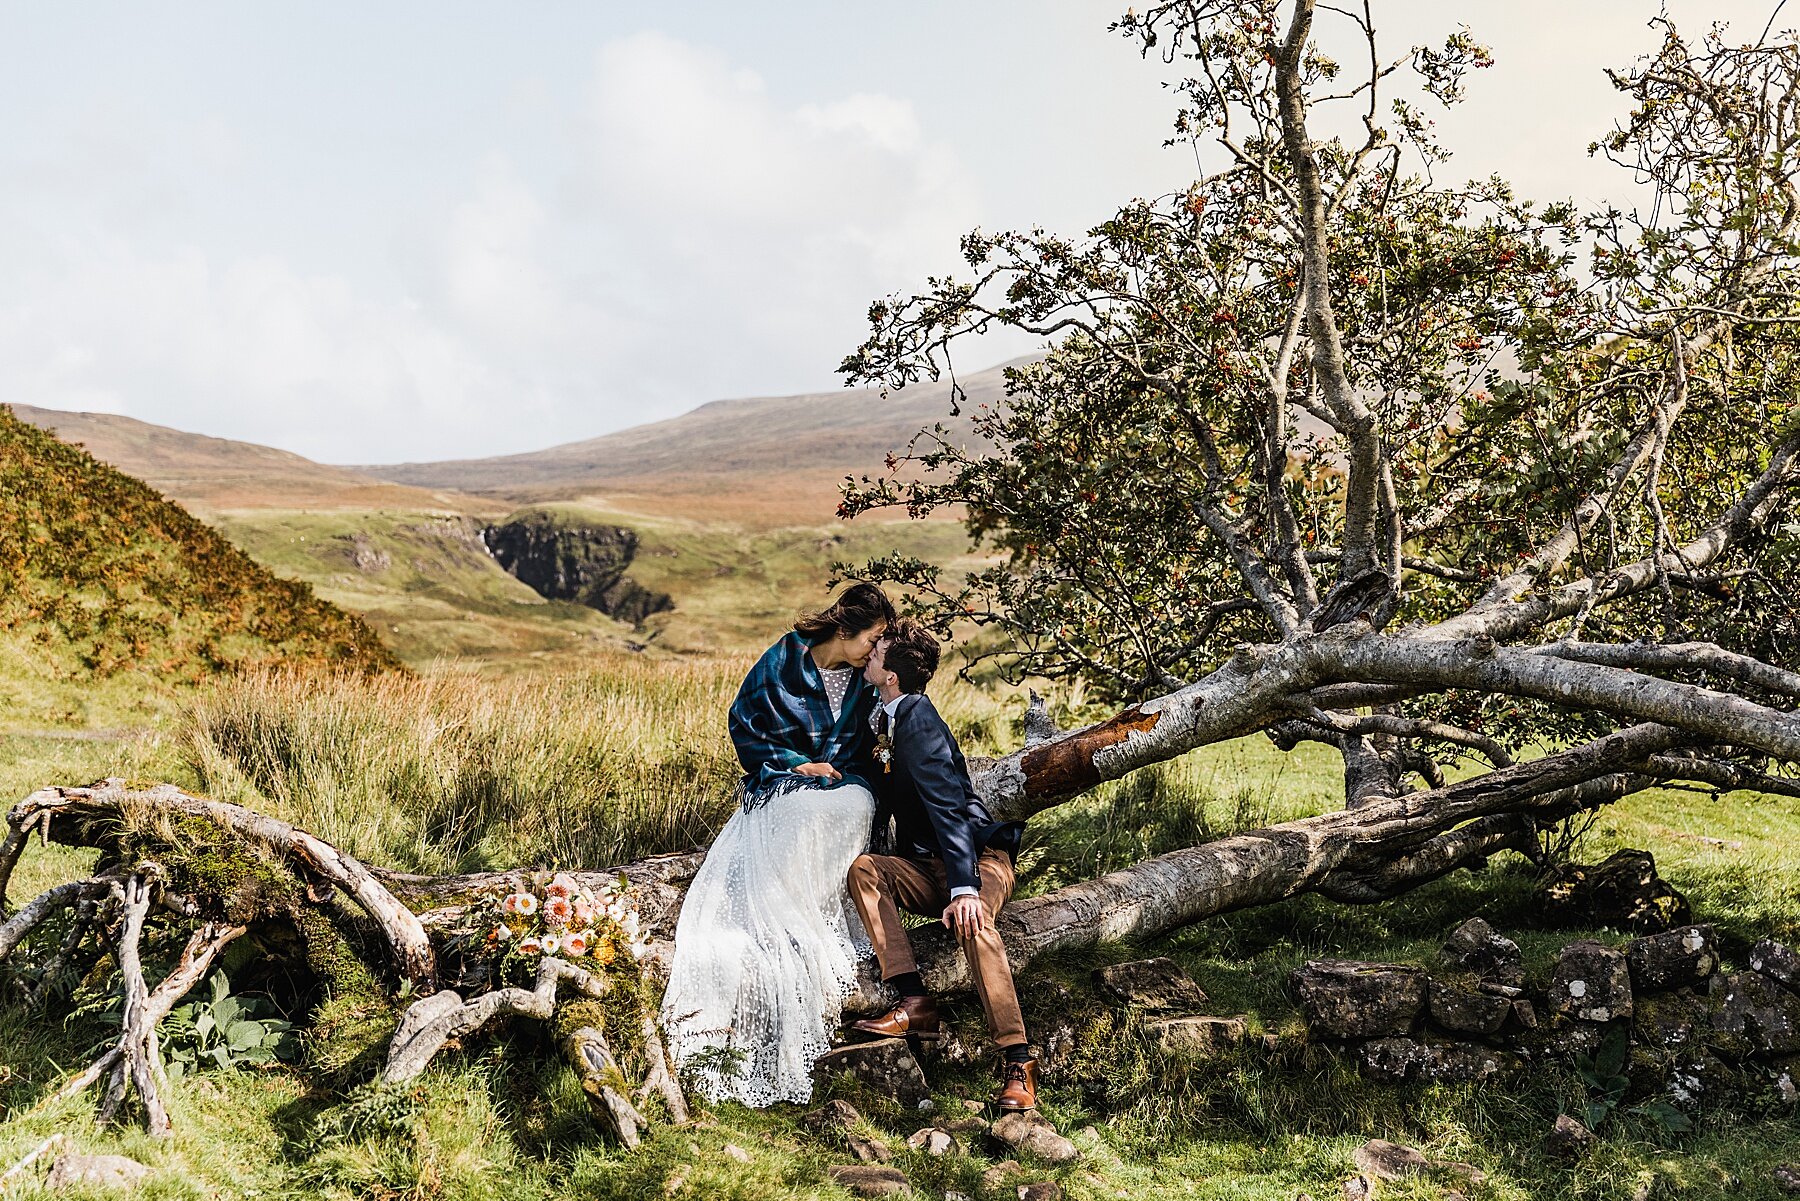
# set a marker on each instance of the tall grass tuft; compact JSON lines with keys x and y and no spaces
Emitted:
{"x":452,"y":774}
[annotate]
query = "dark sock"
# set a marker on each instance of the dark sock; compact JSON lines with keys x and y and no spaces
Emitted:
{"x":909,"y":984}
{"x":1018,"y":1054}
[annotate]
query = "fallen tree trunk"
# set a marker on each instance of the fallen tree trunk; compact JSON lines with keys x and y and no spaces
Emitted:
{"x":1366,"y":854}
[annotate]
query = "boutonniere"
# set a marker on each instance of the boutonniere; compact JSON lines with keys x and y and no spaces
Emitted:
{"x":884,"y":751}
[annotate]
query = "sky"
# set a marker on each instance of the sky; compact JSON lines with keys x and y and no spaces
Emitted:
{"x":410,"y":230}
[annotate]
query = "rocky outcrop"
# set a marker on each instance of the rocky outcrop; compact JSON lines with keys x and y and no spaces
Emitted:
{"x":1346,"y":998}
{"x":1682,"y":1030}
{"x":1153,"y":985}
{"x":885,"y":1065}
{"x":1623,"y":891}
{"x":561,"y":559}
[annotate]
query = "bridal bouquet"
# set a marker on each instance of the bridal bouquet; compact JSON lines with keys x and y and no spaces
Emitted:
{"x":556,"y":916}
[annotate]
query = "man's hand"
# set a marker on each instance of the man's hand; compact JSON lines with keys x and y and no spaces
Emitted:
{"x":822,"y":770}
{"x":967,"y":916}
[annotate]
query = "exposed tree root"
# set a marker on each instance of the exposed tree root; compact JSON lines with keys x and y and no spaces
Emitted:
{"x":138,"y":1033}
{"x":91,"y":811}
{"x":433,"y":1021}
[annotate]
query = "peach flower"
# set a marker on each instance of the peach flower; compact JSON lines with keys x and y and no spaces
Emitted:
{"x":530,"y":946}
{"x":575,"y":944}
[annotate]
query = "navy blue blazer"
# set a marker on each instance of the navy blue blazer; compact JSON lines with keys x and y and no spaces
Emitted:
{"x":928,"y":796}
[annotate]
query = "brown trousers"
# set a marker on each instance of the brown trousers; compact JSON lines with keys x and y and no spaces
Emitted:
{"x":882,"y":885}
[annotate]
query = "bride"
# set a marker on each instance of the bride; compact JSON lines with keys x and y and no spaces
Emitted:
{"x":767,"y":945}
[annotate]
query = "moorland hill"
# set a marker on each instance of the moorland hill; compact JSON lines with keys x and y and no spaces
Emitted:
{"x":764,"y":460}
{"x":101,"y":575}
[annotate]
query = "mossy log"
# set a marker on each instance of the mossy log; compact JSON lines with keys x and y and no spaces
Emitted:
{"x":284,"y":875}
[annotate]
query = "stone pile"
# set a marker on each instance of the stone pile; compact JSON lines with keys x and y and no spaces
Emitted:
{"x":1695,"y":1030}
{"x":1171,"y":1002}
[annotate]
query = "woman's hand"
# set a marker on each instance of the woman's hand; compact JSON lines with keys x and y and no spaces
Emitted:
{"x":823,"y":770}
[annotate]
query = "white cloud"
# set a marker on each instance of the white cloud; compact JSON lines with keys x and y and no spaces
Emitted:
{"x":694,"y":237}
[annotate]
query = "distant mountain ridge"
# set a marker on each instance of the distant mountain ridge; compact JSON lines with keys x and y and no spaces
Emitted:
{"x":791,"y":450}
{"x":762,"y":461}
{"x":220,"y":473}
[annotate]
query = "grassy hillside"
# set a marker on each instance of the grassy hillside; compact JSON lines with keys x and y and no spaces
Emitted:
{"x":102,"y":579}
{"x":423,"y":580}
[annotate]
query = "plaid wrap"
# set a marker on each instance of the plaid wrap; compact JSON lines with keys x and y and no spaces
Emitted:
{"x":781,"y":719}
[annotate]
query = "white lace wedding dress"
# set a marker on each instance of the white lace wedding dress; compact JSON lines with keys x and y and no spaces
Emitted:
{"x":767,"y":945}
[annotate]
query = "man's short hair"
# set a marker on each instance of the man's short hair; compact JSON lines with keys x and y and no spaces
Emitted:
{"x":912,"y":654}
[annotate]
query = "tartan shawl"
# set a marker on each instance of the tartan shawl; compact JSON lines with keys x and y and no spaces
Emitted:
{"x":781,"y":719}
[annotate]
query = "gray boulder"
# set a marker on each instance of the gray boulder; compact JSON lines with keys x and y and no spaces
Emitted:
{"x":1623,"y":892}
{"x":119,"y":1172}
{"x":933,"y":1141}
{"x":1473,"y":947}
{"x":1673,"y":1020}
{"x":1346,"y":998}
{"x":1780,"y":964}
{"x":1154,"y":985}
{"x":1383,"y":1160}
{"x":1700,"y":1076}
{"x":1198,"y":1036}
{"x":1395,"y":1060}
{"x":869,"y":1180}
{"x":1569,"y":1140}
{"x":1764,"y":1014}
{"x":1673,"y":959}
{"x":1591,"y":982}
{"x":885,"y":1065}
{"x":1462,"y":1009}
{"x":1031,"y":1133}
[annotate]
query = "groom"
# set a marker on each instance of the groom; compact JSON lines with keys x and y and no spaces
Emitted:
{"x":955,"y":862}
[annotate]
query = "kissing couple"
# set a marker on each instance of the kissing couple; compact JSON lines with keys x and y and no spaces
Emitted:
{"x":843,"y":754}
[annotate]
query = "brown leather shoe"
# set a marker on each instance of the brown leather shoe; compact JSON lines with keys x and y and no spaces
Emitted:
{"x":913,"y":1017}
{"x":1018,"y":1086}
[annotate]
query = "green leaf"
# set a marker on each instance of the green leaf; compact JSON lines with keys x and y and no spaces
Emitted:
{"x":1595,"y":1112}
{"x":244,"y":1035}
{"x":1614,"y":1050}
{"x":1666,"y":1115}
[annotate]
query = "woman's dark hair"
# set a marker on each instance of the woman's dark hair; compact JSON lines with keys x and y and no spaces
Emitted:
{"x":859,"y":607}
{"x":912,"y":654}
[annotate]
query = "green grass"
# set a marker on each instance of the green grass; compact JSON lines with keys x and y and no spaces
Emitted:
{"x":378,"y":764}
{"x":440,"y":602}
{"x":101,"y":578}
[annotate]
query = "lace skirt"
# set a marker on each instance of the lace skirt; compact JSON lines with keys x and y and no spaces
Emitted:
{"x":767,"y":945}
